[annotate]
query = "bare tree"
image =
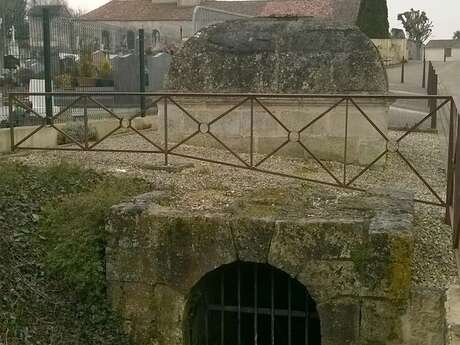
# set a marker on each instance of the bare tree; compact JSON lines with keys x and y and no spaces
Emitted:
{"x":456,"y":35}
{"x":417,"y":24}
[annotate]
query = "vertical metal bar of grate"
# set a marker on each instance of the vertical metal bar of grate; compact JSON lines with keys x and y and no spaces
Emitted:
{"x":272,"y":303}
{"x":307,"y":318}
{"x":251,"y":155}
{"x":239,"y":304}
{"x":206,"y":322}
{"x":166,"y":129}
{"x":222,"y":303}
{"x":345,"y":144}
{"x":255,"y":304}
{"x":289,"y":312}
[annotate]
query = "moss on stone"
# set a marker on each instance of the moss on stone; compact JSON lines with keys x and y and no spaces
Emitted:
{"x":293,"y":55}
{"x":387,"y":262}
{"x":400,"y":268}
{"x":273,"y":202}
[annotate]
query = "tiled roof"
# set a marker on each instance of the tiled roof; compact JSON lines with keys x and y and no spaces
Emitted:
{"x":146,"y":10}
{"x":436,"y":44}
{"x":317,"y":8}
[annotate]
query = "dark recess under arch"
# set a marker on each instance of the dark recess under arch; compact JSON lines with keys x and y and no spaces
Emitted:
{"x":251,"y":304}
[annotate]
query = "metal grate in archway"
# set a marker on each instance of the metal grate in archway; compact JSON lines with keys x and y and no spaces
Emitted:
{"x":254,"y":304}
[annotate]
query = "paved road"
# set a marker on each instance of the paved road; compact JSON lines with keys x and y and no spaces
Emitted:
{"x":406,"y":113}
{"x":412,"y":80}
{"x":449,"y":77}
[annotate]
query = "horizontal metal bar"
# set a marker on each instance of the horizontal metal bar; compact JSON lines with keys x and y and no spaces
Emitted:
{"x":71,"y":149}
{"x":256,"y":95}
{"x":252,"y":310}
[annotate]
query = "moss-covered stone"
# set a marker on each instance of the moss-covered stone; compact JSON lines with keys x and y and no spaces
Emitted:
{"x":279,"y":55}
{"x":355,"y":261}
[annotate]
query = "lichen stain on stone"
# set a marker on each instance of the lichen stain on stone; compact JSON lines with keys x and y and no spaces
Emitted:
{"x":386,"y":265}
{"x":400,"y":269}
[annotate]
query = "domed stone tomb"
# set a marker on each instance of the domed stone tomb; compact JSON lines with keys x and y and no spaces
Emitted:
{"x":278,"y":55}
{"x":282,"y":56}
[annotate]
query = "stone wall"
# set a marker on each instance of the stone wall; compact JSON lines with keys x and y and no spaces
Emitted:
{"x":169,"y":30}
{"x":393,"y":50}
{"x":325,"y":138}
{"x":48,"y":137}
{"x":355,"y":263}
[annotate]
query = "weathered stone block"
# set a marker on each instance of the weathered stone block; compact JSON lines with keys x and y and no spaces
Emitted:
{"x":339,"y":322}
{"x":252,"y":238}
{"x":329,"y":279}
{"x":186,"y":248}
{"x":378,"y":324}
{"x":296,"y":243}
{"x":423,"y":323}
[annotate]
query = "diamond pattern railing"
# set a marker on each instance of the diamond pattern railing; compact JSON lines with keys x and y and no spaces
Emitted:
{"x":294,"y":136}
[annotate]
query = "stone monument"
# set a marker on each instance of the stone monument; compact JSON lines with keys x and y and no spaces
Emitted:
{"x":283,"y":55}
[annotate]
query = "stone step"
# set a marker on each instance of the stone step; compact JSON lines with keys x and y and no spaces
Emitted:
{"x":453,"y":315}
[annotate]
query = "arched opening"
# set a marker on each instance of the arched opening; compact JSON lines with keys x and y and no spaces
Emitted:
{"x":250,"y":304}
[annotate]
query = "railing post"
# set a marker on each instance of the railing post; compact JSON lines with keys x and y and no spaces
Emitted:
{"x":402,"y":69}
{"x":47,"y":63}
{"x":450,"y":160}
{"x":166,"y":129}
{"x":142,"y":70}
{"x":434,"y":102}
{"x":10,"y":116}
{"x":456,"y":188}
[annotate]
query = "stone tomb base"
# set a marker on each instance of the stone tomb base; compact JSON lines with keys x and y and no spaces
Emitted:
{"x":354,"y":263}
{"x":325,"y":138}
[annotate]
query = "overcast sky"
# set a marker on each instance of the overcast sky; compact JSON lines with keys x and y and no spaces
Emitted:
{"x":445,"y":17}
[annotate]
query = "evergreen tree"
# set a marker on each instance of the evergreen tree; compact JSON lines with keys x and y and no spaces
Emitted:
{"x":373,"y":18}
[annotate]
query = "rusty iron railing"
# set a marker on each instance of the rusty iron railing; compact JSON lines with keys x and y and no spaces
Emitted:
{"x":83,"y":100}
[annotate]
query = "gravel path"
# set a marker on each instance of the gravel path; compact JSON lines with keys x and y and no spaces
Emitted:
{"x":206,"y":186}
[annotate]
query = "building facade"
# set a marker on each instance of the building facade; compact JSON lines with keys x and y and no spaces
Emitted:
{"x":443,"y":50}
{"x":173,"y":19}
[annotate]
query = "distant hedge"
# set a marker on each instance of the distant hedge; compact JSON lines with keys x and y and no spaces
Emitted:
{"x":373,"y":18}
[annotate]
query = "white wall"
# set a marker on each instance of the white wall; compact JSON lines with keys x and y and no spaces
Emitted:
{"x":437,"y":54}
{"x":169,"y":30}
{"x":392,"y":50}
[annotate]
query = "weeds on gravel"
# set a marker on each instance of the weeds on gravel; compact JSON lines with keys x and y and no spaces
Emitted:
{"x":52,"y":288}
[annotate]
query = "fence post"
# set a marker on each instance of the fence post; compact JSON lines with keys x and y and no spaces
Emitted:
{"x":424,"y":71}
{"x":429,"y":82}
{"x":402,"y":69}
{"x":434,"y":103}
{"x":47,"y":63}
{"x":142,"y":70}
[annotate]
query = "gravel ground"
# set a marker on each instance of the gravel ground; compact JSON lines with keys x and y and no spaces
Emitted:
{"x":206,"y":187}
